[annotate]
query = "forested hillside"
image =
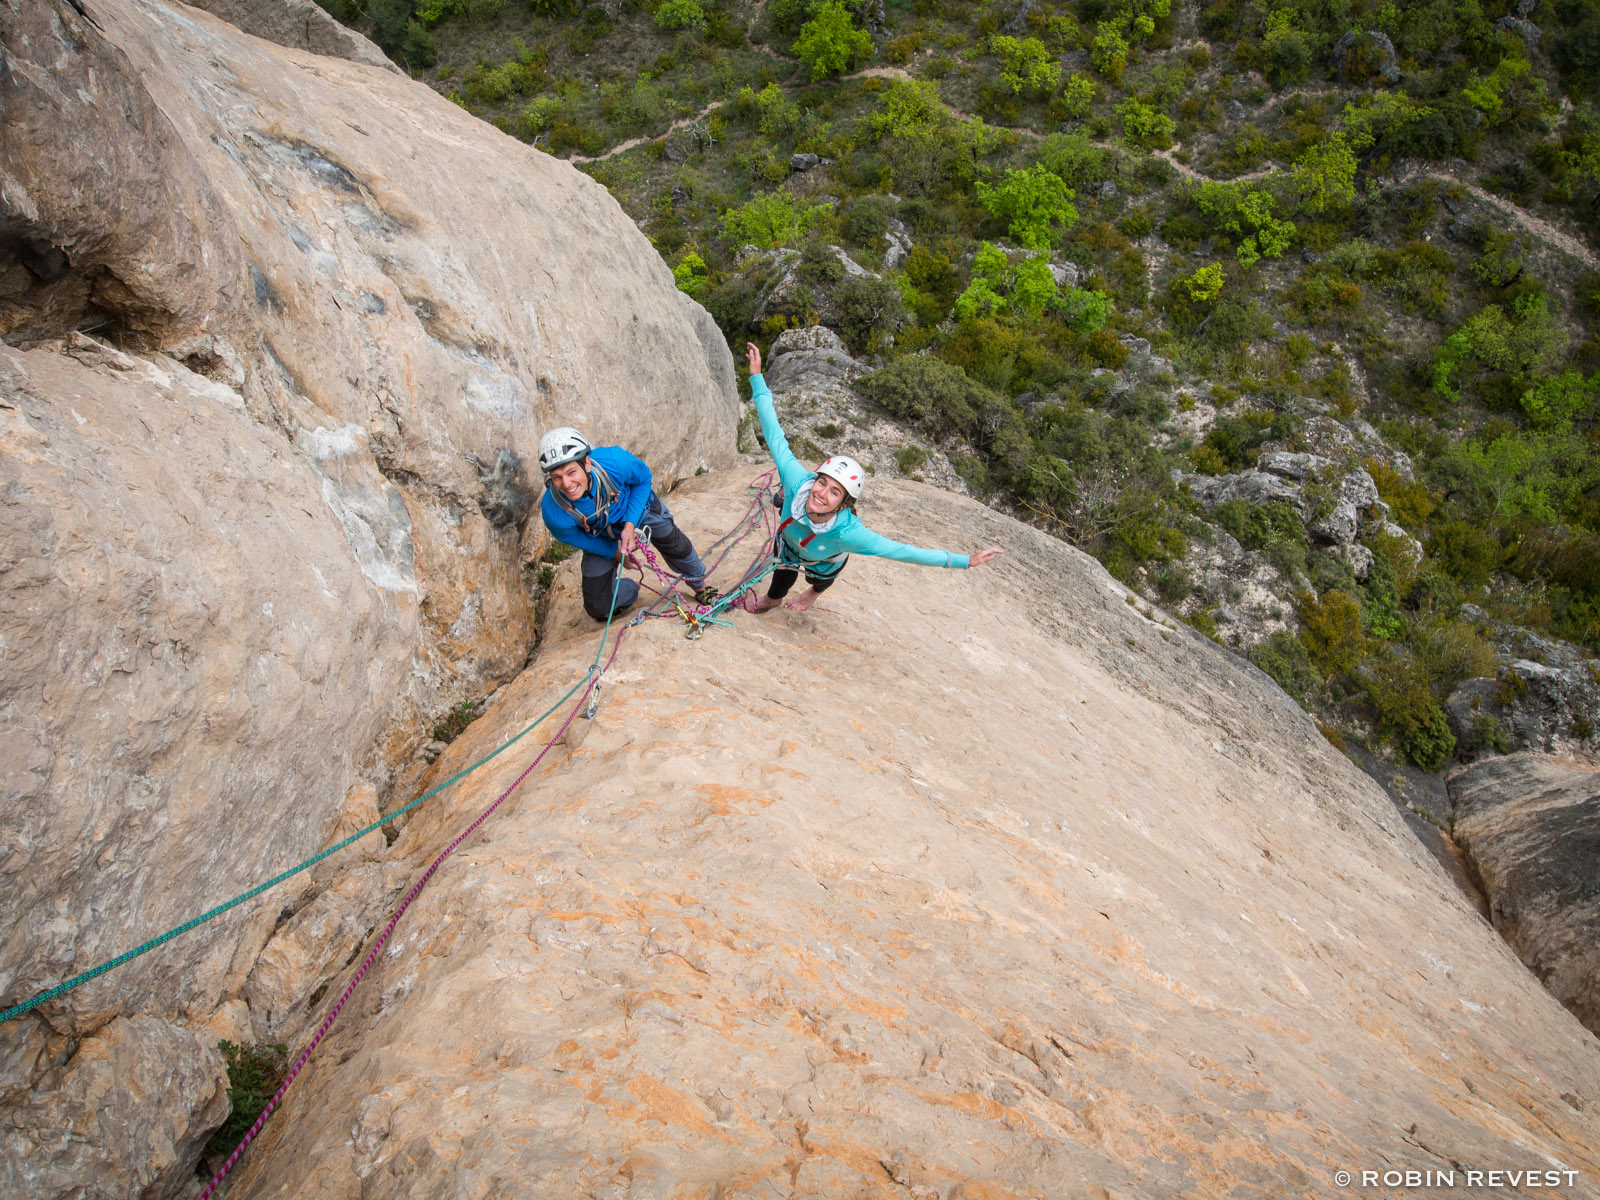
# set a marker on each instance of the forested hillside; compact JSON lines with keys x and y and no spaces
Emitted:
{"x":1285,"y":311}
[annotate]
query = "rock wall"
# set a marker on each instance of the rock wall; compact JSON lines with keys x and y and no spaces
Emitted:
{"x":281,"y":334}
{"x":1530,"y":824}
{"x":986,"y":883}
{"x":302,"y":24}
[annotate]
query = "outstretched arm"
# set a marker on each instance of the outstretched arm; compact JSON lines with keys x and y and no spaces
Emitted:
{"x":864,"y":541}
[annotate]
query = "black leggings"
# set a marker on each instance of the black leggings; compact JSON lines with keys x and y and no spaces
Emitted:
{"x":784,"y":577}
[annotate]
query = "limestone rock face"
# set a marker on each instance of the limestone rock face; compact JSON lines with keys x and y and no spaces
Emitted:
{"x":302,"y":24}
{"x":281,"y":335}
{"x":983,"y":883}
{"x":127,"y":1116}
{"x":189,"y":644}
{"x":1531,"y":827}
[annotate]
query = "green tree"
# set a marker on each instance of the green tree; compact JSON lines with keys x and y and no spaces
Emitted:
{"x":991,"y":271}
{"x":691,"y":274}
{"x":1527,"y":341}
{"x":1109,"y":50}
{"x":1028,"y":64}
{"x":1036,"y":203}
{"x":1325,"y":175}
{"x":1078,"y":96}
{"x":1515,"y":473}
{"x":830,"y":43}
{"x":1144,"y":125}
{"x":680,"y":14}
{"x":779,"y":114}
{"x":1247,"y":213}
{"x":1206,"y":283}
{"x":771,"y":219}
{"x":1559,"y":399}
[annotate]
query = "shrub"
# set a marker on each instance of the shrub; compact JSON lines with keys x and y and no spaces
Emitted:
{"x":1272,"y":529}
{"x":1409,"y":502}
{"x":1451,"y":650}
{"x":1398,"y":688}
{"x":910,"y":458}
{"x":867,"y":220}
{"x":1330,"y":627}
{"x":254,"y":1074}
{"x":925,"y":390}
{"x":1074,"y":159}
{"x":680,"y":14}
{"x":869,"y":311}
{"x":1283,"y":656}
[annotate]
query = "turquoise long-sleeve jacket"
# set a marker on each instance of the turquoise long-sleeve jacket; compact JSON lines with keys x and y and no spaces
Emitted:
{"x":802,"y":543}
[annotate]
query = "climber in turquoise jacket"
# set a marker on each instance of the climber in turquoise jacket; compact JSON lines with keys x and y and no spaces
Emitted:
{"x":819,"y":529}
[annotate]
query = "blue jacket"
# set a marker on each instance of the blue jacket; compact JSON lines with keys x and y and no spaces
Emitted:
{"x":802,"y":544}
{"x":633,"y":482}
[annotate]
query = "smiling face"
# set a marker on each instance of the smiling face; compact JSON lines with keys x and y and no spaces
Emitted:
{"x":827,"y":494}
{"x":570,"y":479}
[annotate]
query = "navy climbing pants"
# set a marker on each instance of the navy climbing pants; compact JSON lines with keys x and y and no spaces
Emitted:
{"x":670,"y":542}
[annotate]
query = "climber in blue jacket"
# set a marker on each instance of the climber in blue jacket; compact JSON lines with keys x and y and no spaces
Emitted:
{"x":819,"y":529}
{"x":597,"y":498}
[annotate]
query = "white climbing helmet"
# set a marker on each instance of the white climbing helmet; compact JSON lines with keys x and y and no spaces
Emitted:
{"x":561,"y":446}
{"x":847,"y":471}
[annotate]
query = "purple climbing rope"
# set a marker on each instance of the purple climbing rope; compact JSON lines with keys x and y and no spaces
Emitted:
{"x":747,"y":524}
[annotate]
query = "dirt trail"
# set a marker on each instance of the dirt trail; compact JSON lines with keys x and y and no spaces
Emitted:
{"x":1188,"y":172}
{"x":623,"y":147}
{"x":1540,"y":228}
{"x":1537,"y":226}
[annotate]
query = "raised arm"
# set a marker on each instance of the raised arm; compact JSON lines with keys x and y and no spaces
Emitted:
{"x":791,"y":470}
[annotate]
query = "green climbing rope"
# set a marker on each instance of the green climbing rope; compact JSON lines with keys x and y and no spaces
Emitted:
{"x":144,"y":948}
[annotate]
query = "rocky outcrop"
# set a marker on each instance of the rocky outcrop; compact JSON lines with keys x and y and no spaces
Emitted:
{"x":1530,"y":824}
{"x":811,"y":374}
{"x":1545,"y":696}
{"x":1360,"y":56}
{"x":984,"y":882}
{"x":124,"y":1112}
{"x":282,"y":333}
{"x":300,"y":24}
